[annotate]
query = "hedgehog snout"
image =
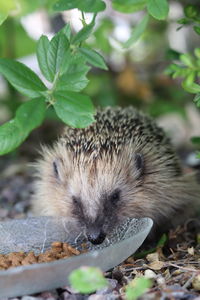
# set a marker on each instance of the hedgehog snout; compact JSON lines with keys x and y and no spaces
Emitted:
{"x":95,"y":234}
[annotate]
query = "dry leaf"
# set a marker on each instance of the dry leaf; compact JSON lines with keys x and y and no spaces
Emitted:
{"x":152,"y":257}
{"x":196,"y":283}
{"x":156,"y":265}
{"x":191,"y":250}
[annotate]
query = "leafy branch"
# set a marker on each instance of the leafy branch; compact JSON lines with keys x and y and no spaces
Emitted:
{"x":187,"y":65}
{"x":64,"y":63}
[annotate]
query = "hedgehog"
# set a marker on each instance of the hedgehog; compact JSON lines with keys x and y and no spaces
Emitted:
{"x":123,"y":165}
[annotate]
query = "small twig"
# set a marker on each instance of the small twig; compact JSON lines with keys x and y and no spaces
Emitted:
{"x":183,"y":262}
{"x":83,"y":19}
{"x":107,"y":240}
{"x":78,"y":236}
{"x":189,"y":281}
{"x":45,"y":236}
{"x":64,"y":226}
{"x":133,"y":268}
{"x":183,"y":268}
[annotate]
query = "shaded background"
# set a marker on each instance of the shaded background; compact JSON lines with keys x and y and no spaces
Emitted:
{"x":135,"y":77}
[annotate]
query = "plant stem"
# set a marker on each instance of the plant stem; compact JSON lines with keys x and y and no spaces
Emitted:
{"x":83,"y":19}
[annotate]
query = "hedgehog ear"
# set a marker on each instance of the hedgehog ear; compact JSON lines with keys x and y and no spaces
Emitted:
{"x":56,"y":169}
{"x":139,"y":164}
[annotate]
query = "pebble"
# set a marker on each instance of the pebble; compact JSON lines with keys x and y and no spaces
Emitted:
{"x":149,"y":274}
{"x":3,"y":212}
{"x":48,"y":296}
{"x":68,"y":296}
{"x":110,"y":296}
{"x":112,"y":285}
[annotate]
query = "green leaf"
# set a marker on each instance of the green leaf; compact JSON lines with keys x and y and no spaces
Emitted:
{"x":197,"y":52}
{"x":22,"y":44}
{"x":28,"y":116}
{"x":171,"y":69}
{"x":74,"y":109}
{"x":67,"y":31}
{"x":5,"y":8}
{"x":42,"y":50}
{"x":85,"y":6}
{"x":75,"y":82}
{"x":197,"y":29}
{"x":65,"y":5}
{"x":195,"y":140}
{"x":183,"y":21}
{"x":74,"y":79}
{"x":57,"y":50}
{"x":137,"y":32}
{"x":175,"y":71}
{"x":181,"y":72}
{"x":162,"y":241}
{"x":189,"y":85}
{"x":66,"y":62}
{"x":191,"y":11}
{"x":22,"y":78}
{"x":197,"y":99}
{"x":84,"y":33}
{"x":11,"y":136}
{"x":158,"y":8}
{"x":31,"y":114}
{"x":187,"y":59}
{"x":129,"y":2}
{"x":93,"y":58}
{"x":172,"y":54}
{"x":86,"y":280}
{"x":3,"y":17}
{"x":91,"y":6}
{"x":128,"y":6}
{"x":137,"y":288}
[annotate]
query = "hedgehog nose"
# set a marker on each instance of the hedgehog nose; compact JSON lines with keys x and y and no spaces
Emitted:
{"x":96,"y":237}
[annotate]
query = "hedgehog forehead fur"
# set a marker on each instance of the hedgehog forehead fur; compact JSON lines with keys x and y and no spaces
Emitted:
{"x":86,"y":170}
{"x":114,"y":130}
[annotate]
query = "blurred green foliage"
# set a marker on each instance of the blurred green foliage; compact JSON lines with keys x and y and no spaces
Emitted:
{"x":136,"y":64}
{"x":86,"y":280}
{"x":187,"y":65}
{"x":14,"y":41}
{"x":137,"y":287}
{"x":19,"y":8}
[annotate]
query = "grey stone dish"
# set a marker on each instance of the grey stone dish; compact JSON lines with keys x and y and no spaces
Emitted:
{"x":37,"y":234}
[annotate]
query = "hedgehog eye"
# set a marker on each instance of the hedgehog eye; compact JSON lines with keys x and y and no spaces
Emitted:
{"x":139,"y":163}
{"x":115,"y":196}
{"x":75,"y":200}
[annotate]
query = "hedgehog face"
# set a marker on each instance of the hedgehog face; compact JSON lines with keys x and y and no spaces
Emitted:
{"x":98,"y":192}
{"x":93,"y":196}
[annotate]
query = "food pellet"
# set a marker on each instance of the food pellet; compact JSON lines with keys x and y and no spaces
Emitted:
{"x":58,"y":251}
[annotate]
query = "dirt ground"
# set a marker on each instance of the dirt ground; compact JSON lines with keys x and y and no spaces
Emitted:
{"x":173,"y":266}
